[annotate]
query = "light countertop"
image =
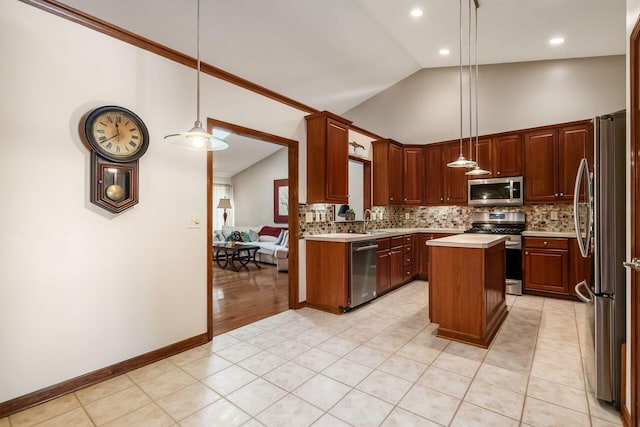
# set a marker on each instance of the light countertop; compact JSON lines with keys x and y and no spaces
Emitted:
{"x":565,"y":234}
{"x":390,"y":232}
{"x":469,"y":240}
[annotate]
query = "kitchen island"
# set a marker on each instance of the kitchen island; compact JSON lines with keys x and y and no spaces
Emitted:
{"x":467,"y":287}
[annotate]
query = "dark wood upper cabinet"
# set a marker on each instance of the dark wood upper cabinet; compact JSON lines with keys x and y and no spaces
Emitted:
{"x":541,"y":166}
{"x":506,"y":156}
{"x":327,"y":158}
{"x":551,"y":159}
{"x":574,"y":143}
{"x":413,"y":175}
{"x":387,"y":172}
{"x":455,"y":180}
{"x":485,"y":156}
{"x":433,"y":191}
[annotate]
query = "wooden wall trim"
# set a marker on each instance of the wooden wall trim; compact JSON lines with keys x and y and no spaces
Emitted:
{"x":74,"y":15}
{"x":634,"y":82}
{"x":49,"y":393}
{"x":293,"y":172}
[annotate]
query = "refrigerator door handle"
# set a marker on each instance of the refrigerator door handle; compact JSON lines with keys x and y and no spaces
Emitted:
{"x":583,"y":242}
{"x":581,"y":296}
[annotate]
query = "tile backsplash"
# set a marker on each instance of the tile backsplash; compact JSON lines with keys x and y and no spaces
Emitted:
{"x":545,"y":217}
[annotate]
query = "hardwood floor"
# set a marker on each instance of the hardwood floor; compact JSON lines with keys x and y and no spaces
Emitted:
{"x":242,"y":297}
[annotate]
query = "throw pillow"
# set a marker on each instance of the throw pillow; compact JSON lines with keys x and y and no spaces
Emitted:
{"x":270,"y":231}
{"x":245,"y":236}
{"x":237,"y":237}
{"x":285,"y":239}
{"x":280,"y":237}
{"x":254,"y":235}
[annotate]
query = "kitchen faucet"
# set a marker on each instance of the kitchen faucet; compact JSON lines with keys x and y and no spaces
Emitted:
{"x":366,"y":218}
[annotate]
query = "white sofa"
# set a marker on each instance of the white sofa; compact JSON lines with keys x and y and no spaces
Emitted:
{"x":269,"y":252}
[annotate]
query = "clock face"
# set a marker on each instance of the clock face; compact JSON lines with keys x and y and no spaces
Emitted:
{"x":116,"y":134}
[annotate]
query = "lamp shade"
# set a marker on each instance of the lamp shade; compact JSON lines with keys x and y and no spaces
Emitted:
{"x":224,"y":204}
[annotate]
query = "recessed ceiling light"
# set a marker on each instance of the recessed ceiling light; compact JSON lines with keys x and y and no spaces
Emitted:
{"x":416,"y":13}
{"x":444,"y":52}
{"x":556,"y":40}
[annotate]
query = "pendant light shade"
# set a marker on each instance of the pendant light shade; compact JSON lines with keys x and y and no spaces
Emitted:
{"x":197,"y":138}
{"x":461,"y":162}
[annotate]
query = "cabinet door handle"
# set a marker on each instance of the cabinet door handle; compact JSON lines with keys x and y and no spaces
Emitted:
{"x":441,"y":198}
{"x":526,"y":253}
{"x":498,"y":172}
{"x":561,"y":194}
{"x":391,"y":198}
{"x":634,"y":264}
{"x":556,"y":194}
{"x":546,"y":243}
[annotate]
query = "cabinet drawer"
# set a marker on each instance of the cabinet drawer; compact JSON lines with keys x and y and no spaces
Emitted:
{"x":408,"y":260}
{"x":397,"y":241}
{"x":546,"y":243}
{"x":384,"y":243}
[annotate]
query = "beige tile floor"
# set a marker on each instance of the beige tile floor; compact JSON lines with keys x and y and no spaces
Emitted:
{"x":379,"y":365}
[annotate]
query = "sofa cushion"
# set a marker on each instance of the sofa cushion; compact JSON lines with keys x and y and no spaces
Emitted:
{"x":254,"y":236}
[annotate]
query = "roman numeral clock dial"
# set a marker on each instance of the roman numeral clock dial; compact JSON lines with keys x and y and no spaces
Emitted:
{"x":117,"y":138}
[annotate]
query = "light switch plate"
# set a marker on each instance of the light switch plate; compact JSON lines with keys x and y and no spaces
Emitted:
{"x":406,"y":215}
{"x":554,"y":216}
{"x":193,"y":221}
{"x":308,"y":217}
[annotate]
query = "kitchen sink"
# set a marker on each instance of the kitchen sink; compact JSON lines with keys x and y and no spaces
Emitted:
{"x":373,"y":232}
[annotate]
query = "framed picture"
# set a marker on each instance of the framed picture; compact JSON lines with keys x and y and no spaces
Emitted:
{"x":281,"y":200}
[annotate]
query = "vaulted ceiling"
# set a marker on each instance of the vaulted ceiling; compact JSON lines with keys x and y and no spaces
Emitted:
{"x":335,"y":54}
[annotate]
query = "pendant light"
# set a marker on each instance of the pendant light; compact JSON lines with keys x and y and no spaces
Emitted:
{"x":477,"y":170}
{"x":461,"y":162}
{"x":197,"y":138}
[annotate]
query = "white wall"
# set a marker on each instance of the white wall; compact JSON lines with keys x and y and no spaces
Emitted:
{"x":425,"y":106}
{"x":81,"y":289}
{"x":253,"y":190}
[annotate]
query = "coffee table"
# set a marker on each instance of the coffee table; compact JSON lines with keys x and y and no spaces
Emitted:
{"x":226,"y":254}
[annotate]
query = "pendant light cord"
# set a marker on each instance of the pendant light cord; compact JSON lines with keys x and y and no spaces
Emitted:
{"x":198,"y":65}
{"x":477,"y":120}
{"x":470,"y":95}
{"x":460,"y":78}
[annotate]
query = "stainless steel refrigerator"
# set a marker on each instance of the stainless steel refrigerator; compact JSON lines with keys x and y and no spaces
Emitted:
{"x":599,"y":215}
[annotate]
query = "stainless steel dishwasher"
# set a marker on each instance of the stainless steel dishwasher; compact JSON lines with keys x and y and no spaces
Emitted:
{"x":362,"y":272}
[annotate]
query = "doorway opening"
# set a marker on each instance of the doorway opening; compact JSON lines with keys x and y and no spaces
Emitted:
{"x":250,"y":293}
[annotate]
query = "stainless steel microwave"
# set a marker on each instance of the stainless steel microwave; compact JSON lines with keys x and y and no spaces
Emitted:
{"x":495,"y":191}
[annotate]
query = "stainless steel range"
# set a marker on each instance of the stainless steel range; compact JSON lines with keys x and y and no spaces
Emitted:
{"x":510,"y":224}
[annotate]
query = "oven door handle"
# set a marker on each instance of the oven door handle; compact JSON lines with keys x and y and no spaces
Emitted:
{"x":512,"y":244}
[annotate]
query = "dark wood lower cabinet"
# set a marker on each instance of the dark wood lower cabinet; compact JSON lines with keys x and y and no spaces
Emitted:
{"x":546,"y":270}
{"x":553,"y":266}
{"x":382,"y":270}
{"x":421,"y":251}
{"x":395,"y":265}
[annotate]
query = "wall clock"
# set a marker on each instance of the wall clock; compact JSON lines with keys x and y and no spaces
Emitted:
{"x":117,"y":138}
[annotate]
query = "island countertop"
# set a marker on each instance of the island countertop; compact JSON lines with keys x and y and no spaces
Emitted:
{"x":468,"y":240}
